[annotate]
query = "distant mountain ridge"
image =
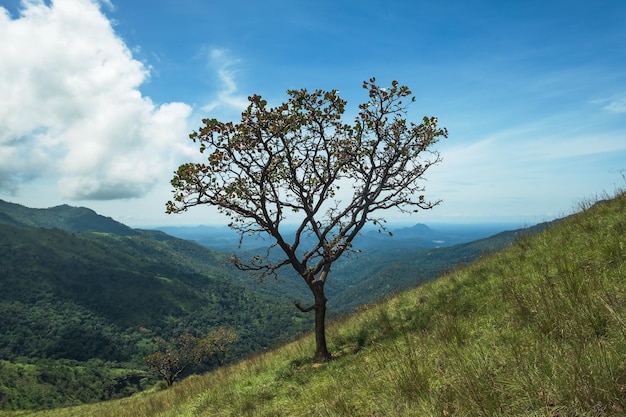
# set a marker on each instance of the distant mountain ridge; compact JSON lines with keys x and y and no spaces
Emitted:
{"x":371,"y":238}
{"x":63,"y":217}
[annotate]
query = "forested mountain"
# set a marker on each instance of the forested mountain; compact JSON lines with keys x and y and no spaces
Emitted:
{"x":88,"y":288}
{"x":77,"y":287}
{"x":64,"y":217}
{"x":130,"y":279}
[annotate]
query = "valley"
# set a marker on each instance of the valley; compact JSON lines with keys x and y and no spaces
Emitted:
{"x":78,"y":288}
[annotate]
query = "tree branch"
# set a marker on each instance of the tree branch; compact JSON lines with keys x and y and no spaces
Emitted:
{"x":303,"y":309}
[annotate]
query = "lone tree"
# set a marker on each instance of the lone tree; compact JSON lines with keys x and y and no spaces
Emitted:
{"x":299,"y":162}
{"x":175,"y":357}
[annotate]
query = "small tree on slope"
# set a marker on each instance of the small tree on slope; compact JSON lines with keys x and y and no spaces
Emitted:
{"x":175,"y":357}
{"x":299,"y":162}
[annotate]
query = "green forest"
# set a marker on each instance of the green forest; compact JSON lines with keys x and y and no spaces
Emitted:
{"x":81,"y":309}
{"x":84,"y":299}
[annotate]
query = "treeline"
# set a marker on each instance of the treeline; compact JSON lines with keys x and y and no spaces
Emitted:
{"x":44,"y":383}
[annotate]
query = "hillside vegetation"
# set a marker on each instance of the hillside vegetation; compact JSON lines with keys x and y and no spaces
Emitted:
{"x":83,"y":297}
{"x":97,"y":280}
{"x":536,"y":330}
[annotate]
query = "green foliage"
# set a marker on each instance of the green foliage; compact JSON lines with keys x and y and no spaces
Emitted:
{"x":186,"y":350}
{"x":45,"y":383}
{"x":536,"y":330}
{"x":65,"y":296}
{"x":104,"y":296}
{"x":84,"y":291}
{"x":71,"y":219}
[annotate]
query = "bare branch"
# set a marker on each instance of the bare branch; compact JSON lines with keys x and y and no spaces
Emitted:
{"x":303,"y":309}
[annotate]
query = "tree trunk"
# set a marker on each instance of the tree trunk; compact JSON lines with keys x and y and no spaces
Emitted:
{"x":321,"y":350}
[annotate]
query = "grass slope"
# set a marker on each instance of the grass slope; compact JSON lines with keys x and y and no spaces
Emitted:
{"x":536,"y":330}
{"x":390,"y":271}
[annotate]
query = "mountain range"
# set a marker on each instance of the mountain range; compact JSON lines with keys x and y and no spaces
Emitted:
{"x":78,"y":286}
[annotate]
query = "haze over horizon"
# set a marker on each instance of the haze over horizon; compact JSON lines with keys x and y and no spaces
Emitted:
{"x":98,"y":97}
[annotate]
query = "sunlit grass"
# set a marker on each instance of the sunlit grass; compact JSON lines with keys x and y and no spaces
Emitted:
{"x":537,"y":330}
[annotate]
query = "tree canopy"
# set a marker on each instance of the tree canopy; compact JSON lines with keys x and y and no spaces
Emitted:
{"x":300,"y":163}
{"x":175,"y":357}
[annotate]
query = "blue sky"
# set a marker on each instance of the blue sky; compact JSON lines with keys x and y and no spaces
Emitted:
{"x":98,"y":97}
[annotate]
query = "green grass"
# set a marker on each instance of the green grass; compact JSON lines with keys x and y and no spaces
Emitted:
{"x":536,"y":330}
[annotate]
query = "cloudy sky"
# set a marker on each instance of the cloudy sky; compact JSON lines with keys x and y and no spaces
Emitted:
{"x":97,"y":98}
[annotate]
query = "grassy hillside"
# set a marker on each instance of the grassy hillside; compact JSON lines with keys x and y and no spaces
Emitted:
{"x":392,"y":270}
{"x":536,"y":330}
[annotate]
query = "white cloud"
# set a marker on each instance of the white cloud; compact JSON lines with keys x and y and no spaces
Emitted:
{"x":617,"y":105}
{"x":222,"y":63}
{"x":71,"y":106}
{"x":524,"y":170}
